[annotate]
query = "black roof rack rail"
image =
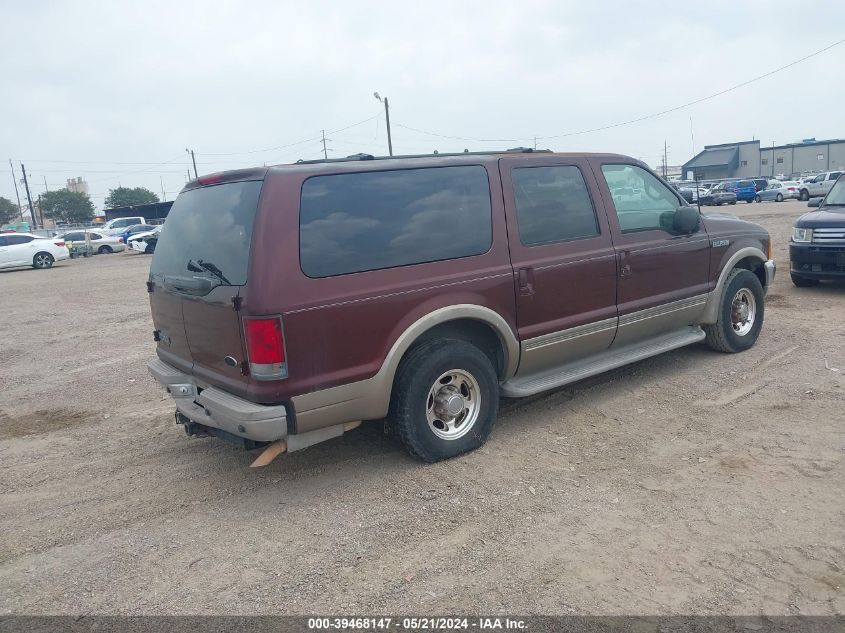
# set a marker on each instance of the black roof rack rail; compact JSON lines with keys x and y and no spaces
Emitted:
{"x":434,"y":154}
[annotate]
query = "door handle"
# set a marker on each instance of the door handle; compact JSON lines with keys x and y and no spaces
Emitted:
{"x":526,"y":282}
{"x":624,"y":264}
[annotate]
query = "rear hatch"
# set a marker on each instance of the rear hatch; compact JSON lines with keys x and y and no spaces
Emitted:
{"x":197,"y":277}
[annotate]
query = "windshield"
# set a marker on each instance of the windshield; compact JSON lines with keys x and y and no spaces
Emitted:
{"x":836,"y":195}
{"x":208,"y":234}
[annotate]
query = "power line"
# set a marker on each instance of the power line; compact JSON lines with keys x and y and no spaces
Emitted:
{"x":638,"y":119}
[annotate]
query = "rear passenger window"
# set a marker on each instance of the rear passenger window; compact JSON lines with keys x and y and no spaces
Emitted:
{"x":642,"y":202}
{"x":14,"y":240}
{"x":371,"y":220}
{"x":552,"y":205}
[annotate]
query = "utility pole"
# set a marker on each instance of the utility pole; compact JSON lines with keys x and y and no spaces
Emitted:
{"x":325,"y":151}
{"x":387,"y":120}
{"x":692,"y":137}
{"x":28,"y":196}
{"x":15,"y":182}
{"x":773,"y":160}
{"x":45,"y":185}
{"x":191,"y":152}
{"x":163,"y":197}
{"x":665,"y":167}
{"x":535,"y":142}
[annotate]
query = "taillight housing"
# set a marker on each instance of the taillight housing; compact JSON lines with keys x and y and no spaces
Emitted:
{"x":265,"y":347}
{"x":120,"y":240}
{"x":59,"y":243}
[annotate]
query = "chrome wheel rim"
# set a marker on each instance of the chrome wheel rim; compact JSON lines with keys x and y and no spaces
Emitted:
{"x":42,"y":260}
{"x":453,"y":404}
{"x":743,"y":311}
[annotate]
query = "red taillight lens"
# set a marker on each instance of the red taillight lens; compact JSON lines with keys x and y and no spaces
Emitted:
{"x":265,"y":346}
{"x":59,"y":243}
{"x":791,"y":188}
{"x":120,"y":240}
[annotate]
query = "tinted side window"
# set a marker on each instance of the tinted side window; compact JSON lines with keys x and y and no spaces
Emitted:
{"x":19,"y":239}
{"x":371,"y":220}
{"x":95,"y":236}
{"x":4,"y":241}
{"x":642,"y":202}
{"x":73,"y":237}
{"x":835,"y":175}
{"x":552,"y":205}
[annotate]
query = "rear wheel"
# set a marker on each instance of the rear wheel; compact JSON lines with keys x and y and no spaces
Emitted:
{"x":758,"y":199}
{"x":42,"y":260}
{"x":804,"y":195}
{"x":778,"y":198}
{"x":740,"y":315}
{"x":733,"y":201}
{"x":445,"y":399}
{"x":803,"y":282}
{"x":105,"y":250}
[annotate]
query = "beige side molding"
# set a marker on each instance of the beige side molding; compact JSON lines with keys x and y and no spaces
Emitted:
{"x":712,"y":308}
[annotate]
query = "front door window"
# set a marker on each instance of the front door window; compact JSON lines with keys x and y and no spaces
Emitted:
{"x":643,"y":203}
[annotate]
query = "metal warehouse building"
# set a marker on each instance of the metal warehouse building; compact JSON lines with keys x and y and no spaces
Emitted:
{"x":747,"y":159}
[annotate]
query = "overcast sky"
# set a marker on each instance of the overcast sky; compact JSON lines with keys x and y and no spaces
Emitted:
{"x":89,"y":88}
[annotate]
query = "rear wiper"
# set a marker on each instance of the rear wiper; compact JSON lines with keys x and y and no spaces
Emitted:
{"x":198,"y":266}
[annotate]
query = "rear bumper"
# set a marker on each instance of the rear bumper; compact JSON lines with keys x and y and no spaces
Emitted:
{"x":213,"y":407}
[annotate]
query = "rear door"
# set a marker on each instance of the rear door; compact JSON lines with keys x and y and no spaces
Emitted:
{"x":663,"y":277}
{"x":563,"y":258}
{"x":197,"y":274}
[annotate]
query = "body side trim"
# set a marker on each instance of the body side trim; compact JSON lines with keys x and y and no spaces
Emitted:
{"x":568,"y":334}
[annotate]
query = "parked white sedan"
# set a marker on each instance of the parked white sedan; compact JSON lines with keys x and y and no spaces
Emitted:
{"x":102,"y":244}
{"x":26,"y":249}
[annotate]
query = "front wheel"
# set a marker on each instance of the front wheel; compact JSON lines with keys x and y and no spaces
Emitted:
{"x":733,"y":202}
{"x":758,"y":199}
{"x":445,"y":399}
{"x":740,"y":316}
{"x":804,"y":195}
{"x":42,"y":260}
{"x":105,"y":250}
{"x":779,"y":198}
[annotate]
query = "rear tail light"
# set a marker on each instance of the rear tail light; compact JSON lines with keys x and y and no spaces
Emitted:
{"x":120,"y":240}
{"x":59,"y":243}
{"x":265,"y":348}
{"x":791,"y":188}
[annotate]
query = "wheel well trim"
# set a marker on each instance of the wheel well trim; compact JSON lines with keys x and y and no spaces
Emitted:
{"x":711,"y":310}
{"x":370,"y":398}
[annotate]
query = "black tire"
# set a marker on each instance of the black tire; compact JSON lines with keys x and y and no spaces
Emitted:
{"x":105,"y":250}
{"x":748,"y":201}
{"x":721,"y":335}
{"x":150,"y":248}
{"x":804,"y":195}
{"x":418,"y":373}
{"x":803,"y":282}
{"x":42,"y":260}
{"x":758,"y":199}
{"x":778,"y":198}
{"x":732,"y":202}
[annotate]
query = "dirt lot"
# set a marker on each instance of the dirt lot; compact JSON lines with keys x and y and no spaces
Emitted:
{"x":689,"y":483}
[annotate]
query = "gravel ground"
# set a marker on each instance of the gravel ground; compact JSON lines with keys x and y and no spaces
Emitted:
{"x":693,"y":482}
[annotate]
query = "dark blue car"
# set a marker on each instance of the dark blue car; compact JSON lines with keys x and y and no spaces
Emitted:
{"x":745,"y":190}
{"x":135,"y":228}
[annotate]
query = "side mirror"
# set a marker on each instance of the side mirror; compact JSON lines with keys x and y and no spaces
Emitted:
{"x":815,"y":202}
{"x":685,"y":220}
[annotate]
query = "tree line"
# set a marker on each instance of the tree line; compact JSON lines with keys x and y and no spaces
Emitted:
{"x":76,"y":207}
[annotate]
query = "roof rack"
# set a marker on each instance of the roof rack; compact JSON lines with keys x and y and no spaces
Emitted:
{"x":435,"y":153}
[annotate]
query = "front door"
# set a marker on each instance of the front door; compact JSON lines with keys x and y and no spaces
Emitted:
{"x":663,"y":277}
{"x":563,"y":259}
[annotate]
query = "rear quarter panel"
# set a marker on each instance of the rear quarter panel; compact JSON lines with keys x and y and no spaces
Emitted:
{"x":340,"y":329}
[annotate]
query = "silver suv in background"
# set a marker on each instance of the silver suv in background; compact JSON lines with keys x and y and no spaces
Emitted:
{"x":818,"y":186}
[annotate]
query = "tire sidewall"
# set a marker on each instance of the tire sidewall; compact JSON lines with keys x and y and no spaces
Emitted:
{"x":745,"y":279}
{"x":47,"y":265}
{"x":455,"y":355}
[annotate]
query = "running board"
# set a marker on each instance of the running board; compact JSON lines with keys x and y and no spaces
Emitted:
{"x":521,"y":386}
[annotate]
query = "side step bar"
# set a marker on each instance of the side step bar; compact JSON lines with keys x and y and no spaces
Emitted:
{"x":521,"y":386}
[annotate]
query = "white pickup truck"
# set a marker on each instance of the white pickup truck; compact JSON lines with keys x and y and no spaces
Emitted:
{"x":818,"y":186}
{"x":118,"y":225}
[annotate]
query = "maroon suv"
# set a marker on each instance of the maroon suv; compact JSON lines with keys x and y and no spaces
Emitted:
{"x":291,"y":302}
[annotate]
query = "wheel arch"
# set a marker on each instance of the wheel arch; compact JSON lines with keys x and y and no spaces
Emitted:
{"x":749,"y":258}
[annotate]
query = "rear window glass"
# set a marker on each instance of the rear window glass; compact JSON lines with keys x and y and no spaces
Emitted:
{"x":745,"y":183}
{"x":208,"y":233}
{"x":372,"y":220}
